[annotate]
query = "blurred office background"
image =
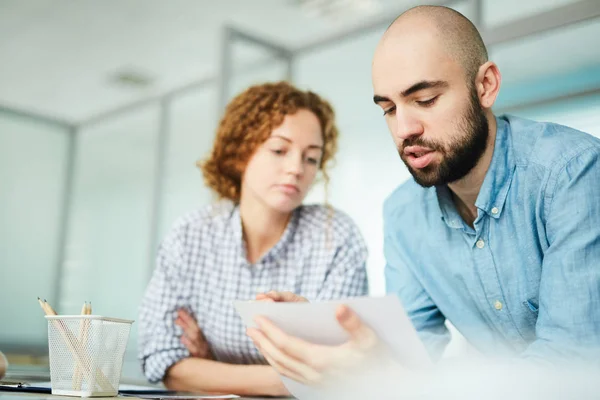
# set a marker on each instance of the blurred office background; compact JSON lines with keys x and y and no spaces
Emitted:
{"x":105,"y":106}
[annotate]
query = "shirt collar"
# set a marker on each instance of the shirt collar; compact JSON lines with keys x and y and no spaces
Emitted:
{"x":494,"y":190}
{"x":447,"y":209}
{"x":236,"y":226}
{"x":273,"y":253}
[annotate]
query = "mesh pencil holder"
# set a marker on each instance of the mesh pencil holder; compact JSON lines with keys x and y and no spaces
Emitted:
{"x":86,"y":354}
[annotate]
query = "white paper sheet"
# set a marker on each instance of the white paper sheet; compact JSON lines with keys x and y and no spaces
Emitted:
{"x":316,"y":323}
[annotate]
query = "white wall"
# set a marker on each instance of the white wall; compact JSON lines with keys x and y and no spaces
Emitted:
{"x":107,"y":251}
{"x":582,"y":114}
{"x":32,"y":178}
{"x":191,"y":131}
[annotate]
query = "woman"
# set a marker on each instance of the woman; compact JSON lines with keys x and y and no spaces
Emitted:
{"x":269,"y":147}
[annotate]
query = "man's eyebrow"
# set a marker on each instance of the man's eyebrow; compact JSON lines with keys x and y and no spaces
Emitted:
{"x":413,"y":89}
{"x":422,"y":86}
{"x":380,"y":99}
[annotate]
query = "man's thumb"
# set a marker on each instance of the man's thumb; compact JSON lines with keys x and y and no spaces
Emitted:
{"x":359,"y":333}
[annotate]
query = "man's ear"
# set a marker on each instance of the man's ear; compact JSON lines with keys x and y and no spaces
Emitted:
{"x":487,"y":84}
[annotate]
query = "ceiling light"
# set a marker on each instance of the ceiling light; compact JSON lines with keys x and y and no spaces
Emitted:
{"x":338,"y":8}
{"x":131,"y":77}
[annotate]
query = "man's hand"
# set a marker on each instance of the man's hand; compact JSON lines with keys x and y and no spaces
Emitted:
{"x":192,"y":338}
{"x":281,"y":297}
{"x":309,"y":363}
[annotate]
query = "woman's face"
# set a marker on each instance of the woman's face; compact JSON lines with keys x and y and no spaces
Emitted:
{"x":281,"y":171}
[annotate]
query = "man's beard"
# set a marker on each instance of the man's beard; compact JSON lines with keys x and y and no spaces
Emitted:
{"x":463,"y":154}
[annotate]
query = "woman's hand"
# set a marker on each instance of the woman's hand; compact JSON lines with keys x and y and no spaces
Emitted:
{"x":193,"y":338}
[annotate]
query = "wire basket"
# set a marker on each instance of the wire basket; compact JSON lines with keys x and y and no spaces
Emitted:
{"x":86,"y":354}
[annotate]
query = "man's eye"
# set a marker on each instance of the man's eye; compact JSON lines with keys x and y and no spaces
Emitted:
{"x":427,"y":103}
{"x":389,"y":111}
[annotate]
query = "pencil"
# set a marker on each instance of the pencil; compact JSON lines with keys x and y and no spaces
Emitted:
{"x":42,"y":305}
{"x":49,"y":308}
{"x":86,"y":326}
{"x":77,"y":371}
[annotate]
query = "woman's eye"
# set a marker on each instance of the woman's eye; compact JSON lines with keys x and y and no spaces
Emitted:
{"x":278,"y":152}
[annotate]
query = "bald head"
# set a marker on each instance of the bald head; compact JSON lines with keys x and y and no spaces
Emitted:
{"x":454,"y":33}
{"x":436,"y":88}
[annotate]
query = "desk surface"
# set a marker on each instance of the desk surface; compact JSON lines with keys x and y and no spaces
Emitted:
{"x":37,"y":396}
{"x":15,"y":374}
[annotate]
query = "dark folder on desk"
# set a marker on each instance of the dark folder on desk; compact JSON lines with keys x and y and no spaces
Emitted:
{"x":21,"y":387}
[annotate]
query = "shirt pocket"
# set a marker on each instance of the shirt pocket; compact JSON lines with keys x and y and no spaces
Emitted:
{"x":531,"y":313}
{"x":533,"y":306}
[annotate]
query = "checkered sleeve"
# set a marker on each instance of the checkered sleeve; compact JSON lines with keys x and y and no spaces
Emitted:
{"x":169,"y":290}
{"x":347,"y":276}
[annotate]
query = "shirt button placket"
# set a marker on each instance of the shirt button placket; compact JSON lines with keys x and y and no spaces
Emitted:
{"x":492,"y":291}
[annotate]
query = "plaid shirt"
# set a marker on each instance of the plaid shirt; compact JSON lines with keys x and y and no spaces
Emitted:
{"x":202,"y":267}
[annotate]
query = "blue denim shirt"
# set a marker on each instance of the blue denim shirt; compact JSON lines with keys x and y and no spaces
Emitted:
{"x":526,"y":278}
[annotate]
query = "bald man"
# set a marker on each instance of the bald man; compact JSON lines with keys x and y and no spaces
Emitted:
{"x":498,"y":232}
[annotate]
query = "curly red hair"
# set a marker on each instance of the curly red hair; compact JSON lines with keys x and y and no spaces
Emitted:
{"x":248,"y":122}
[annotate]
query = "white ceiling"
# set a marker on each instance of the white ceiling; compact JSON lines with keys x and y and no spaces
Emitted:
{"x":57,"y":56}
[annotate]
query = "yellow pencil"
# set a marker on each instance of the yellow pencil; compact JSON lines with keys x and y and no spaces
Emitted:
{"x":77,"y":371}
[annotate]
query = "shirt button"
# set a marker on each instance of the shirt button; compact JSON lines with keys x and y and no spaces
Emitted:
{"x":498,"y":305}
{"x":480,"y":244}
{"x":495,"y":210}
